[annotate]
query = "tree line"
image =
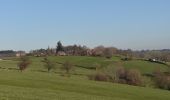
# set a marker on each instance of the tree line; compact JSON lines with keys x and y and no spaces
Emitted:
{"x":101,"y":51}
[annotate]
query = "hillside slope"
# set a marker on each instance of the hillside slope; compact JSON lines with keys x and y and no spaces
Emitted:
{"x":49,"y":86}
{"x":35,"y":83}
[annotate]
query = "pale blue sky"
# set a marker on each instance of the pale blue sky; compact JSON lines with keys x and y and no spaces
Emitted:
{"x":135,"y":24}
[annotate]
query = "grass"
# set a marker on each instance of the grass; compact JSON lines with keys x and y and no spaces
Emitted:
{"x":50,"y":86}
{"x":85,"y":65}
{"x":145,"y":66}
{"x":36,"y":84}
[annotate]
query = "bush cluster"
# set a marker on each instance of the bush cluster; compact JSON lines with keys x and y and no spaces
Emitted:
{"x":128,"y":76}
{"x":161,"y":80}
{"x":119,"y":75}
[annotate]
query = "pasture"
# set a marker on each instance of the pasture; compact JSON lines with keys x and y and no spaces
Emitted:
{"x":35,"y":83}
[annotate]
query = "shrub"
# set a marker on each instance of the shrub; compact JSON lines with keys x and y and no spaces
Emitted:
{"x":98,"y":77}
{"x":24,"y":63}
{"x":120,"y":73}
{"x":161,"y":80}
{"x":110,"y":72}
{"x":133,"y":77}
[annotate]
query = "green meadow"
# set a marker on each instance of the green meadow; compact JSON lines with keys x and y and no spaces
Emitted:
{"x":35,"y":83}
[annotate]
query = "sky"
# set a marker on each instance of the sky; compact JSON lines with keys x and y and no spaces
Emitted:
{"x":134,"y":24}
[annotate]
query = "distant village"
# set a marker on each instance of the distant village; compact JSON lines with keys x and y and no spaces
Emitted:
{"x":100,"y":51}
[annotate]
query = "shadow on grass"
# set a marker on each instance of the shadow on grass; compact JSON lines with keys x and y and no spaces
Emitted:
{"x":9,"y":68}
{"x":80,"y":66}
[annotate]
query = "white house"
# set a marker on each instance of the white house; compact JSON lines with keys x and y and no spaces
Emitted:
{"x":20,"y":53}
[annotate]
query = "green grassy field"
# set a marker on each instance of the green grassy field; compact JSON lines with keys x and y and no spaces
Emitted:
{"x":88,"y":62}
{"x":35,"y":83}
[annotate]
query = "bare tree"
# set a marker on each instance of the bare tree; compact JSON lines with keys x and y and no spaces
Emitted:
{"x":98,"y":51}
{"x":67,"y":66}
{"x":24,"y":63}
{"x":108,"y":52}
{"x":49,"y":64}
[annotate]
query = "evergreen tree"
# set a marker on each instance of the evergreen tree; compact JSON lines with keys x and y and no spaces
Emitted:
{"x":59,"y":47}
